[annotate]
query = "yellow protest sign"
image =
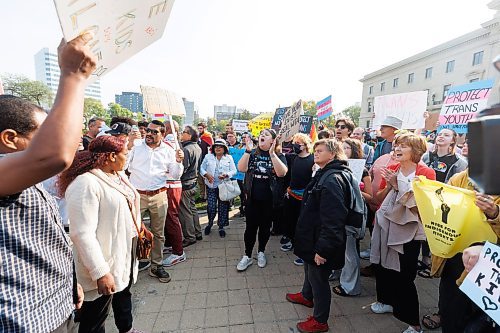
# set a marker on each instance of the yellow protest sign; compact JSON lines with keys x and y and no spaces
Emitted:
{"x":451,"y":219}
{"x":257,"y":124}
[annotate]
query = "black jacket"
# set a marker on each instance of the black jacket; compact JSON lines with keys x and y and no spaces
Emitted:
{"x":323,"y":216}
{"x":192,"y":160}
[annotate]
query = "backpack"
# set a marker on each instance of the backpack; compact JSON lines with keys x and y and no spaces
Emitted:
{"x":356,"y":219}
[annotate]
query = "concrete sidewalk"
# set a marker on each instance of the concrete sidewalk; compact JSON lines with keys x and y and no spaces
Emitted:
{"x":207,"y":294}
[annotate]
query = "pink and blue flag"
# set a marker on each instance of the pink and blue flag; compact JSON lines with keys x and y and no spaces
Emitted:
{"x":324,"y":108}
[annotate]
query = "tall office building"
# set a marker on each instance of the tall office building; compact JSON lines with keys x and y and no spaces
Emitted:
{"x":190,"y":112}
{"x":130,"y":100}
{"x":47,"y":71}
{"x":224,"y":112}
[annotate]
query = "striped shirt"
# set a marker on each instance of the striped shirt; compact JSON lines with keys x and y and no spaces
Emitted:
{"x":36,"y":272}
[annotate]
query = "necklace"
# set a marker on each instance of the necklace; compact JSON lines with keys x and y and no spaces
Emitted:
{"x":114,"y":177}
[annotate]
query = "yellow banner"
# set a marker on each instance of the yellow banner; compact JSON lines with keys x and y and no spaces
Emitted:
{"x":257,"y":124}
{"x":451,"y":219}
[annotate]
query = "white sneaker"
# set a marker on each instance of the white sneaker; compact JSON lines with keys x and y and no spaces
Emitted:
{"x":365,"y":254}
{"x":410,"y":329}
{"x":261,"y":260}
{"x":378,"y":307}
{"x":244,"y":263}
{"x":174,"y":259}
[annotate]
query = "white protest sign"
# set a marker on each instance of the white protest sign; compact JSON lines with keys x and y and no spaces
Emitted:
{"x":409,"y":107}
{"x":290,"y":123}
{"x":357,"y":167}
{"x":121,"y":28}
{"x":482,"y":284}
{"x":159,"y":101}
{"x":240,"y":126}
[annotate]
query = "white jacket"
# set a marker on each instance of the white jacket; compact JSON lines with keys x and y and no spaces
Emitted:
{"x":102,"y":230}
{"x":216,"y":168}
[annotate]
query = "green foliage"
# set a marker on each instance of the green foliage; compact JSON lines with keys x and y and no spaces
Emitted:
{"x":179,"y":120}
{"x":116,"y":110}
{"x":245,"y":115}
{"x":309,"y":108}
{"x":353,"y":112}
{"x":94,"y":108}
{"x":214,"y":126}
{"x":35,"y":91}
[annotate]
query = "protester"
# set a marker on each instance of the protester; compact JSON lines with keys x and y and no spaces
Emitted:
{"x":325,"y":134}
{"x":188,"y":214}
{"x":241,"y":183}
{"x":103,"y":207}
{"x":205,"y":142}
{"x":350,"y":284}
{"x":229,"y":129}
{"x":94,"y":125}
{"x":143,"y":125}
{"x":300,"y":164}
{"x":263,"y":167}
{"x":149,"y":165}
{"x":387,"y":133}
{"x":37,"y":291}
{"x":320,"y":234}
{"x":398,"y":220}
{"x":173,"y":229}
{"x":232,"y":141}
{"x":216,"y":168}
{"x":343,"y":128}
{"x":359,"y":134}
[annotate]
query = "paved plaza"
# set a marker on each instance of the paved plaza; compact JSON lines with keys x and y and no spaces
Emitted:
{"x":208,"y":295}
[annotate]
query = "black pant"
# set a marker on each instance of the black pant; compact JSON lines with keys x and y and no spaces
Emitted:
{"x":398,"y":288}
{"x":259,"y":218}
{"x":291,"y":212}
{"x":243,"y":196}
{"x":316,"y":288}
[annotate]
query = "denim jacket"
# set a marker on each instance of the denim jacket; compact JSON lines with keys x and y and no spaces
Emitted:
{"x":216,"y":168}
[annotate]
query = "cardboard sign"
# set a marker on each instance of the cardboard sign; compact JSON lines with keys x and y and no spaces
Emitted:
{"x":257,"y":124}
{"x":121,"y":28}
{"x":462,"y":103}
{"x":237,"y":153}
{"x":290,"y":122}
{"x":357,"y":167}
{"x":324,"y":108}
{"x":306,"y":123}
{"x":278,"y":115}
{"x":160,"y":101}
{"x":240,"y":126}
{"x":409,"y":107}
{"x":482,"y":284}
{"x":451,"y":219}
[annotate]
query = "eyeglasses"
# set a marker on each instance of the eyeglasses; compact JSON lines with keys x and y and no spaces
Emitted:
{"x":153,"y":131}
{"x":341,"y":126}
{"x":186,"y":132}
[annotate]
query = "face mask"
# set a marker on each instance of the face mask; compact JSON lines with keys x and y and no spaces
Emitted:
{"x":297,"y":148}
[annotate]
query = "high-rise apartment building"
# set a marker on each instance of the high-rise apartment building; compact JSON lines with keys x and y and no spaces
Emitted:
{"x":47,"y":71}
{"x":131,"y":101}
{"x":191,"y":113}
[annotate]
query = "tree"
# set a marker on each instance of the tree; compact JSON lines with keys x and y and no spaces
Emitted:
{"x":179,"y":120}
{"x":214,"y":126}
{"x":353,"y":112}
{"x":116,"y":110}
{"x":35,"y":91}
{"x":245,"y":115}
{"x":309,"y":108}
{"x":93,"y":108}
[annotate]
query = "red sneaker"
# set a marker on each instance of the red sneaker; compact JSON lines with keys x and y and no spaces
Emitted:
{"x":299,"y":299}
{"x":311,"y":325}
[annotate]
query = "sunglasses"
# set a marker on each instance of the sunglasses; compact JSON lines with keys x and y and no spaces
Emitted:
{"x":341,"y":126}
{"x":153,"y":131}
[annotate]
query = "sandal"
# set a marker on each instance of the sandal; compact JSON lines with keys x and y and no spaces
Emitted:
{"x":340,"y":291}
{"x":425,"y":273}
{"x":430,"y":323}
{"x":422,"y":266}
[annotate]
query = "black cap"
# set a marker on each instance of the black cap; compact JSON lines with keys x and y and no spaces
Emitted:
{"x":119,"y":128}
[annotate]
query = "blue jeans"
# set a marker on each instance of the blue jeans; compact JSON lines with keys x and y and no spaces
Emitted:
{"x":214,"y":204}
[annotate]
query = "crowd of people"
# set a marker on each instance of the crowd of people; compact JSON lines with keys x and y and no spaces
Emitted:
{"x":98,"y":189}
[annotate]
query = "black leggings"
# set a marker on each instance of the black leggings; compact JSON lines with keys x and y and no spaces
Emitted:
{"x":258,"y":219}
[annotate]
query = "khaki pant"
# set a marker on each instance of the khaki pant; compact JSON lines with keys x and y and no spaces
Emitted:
{"x":157,"y":206}
{"x":188,"y":215}
{"x":202,"y":186}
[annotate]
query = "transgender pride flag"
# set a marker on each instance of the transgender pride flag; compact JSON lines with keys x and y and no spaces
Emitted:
{"x":324,"y":108}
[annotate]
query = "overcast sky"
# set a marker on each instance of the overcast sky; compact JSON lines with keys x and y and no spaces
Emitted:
{"x":258,"y":54}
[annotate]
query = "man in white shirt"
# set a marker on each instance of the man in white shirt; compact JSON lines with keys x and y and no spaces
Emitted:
{"x":149,"y":164}
{"x":359,"y":134}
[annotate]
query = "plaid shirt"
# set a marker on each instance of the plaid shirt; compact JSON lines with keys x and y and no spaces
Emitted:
{"x":36,"y":272}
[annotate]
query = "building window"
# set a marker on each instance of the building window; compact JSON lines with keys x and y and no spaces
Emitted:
{"x":450,"y":66}
{"x":395,"y":82}
{"x":382,"y":86}
{"x":369,"y":106}
{"x":428,"y":73}
{"x":477,"y":59}
{"x":367,"y":124}
{"x":370,"y":90}
{"x":445,"y":90}
{"x":411,"y":77}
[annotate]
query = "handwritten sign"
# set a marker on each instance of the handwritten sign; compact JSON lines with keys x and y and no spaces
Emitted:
{"x":357,"y":167}
{"x":257,"y":124}
{"x":160,"y":101}
{"x":409,"y":107}
{"x":462,"y":103}
{"x":121,"y":28}
{"x":306,"y":123}
{"x":237,"y":153}
{"x":290,"y":123}
{"x":278,"y":115}
{"x":240,"y":126}
{"x":482,"y":284}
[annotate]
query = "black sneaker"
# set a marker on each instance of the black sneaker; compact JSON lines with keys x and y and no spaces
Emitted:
{"x":207,"y":230}
{"x":143,"y":265}
{"x":284,"y":240}
{"x":160,"y":273}
{"x":222,"y":233}
{"x":199,"y":238}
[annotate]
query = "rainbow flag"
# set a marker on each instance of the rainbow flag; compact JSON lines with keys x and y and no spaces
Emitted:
{"x":314,"y":133}
{"x":324,"y":108}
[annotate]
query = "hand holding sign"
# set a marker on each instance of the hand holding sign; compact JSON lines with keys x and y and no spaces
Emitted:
{"x":75,"y":57}
{"x":471,"y":256}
